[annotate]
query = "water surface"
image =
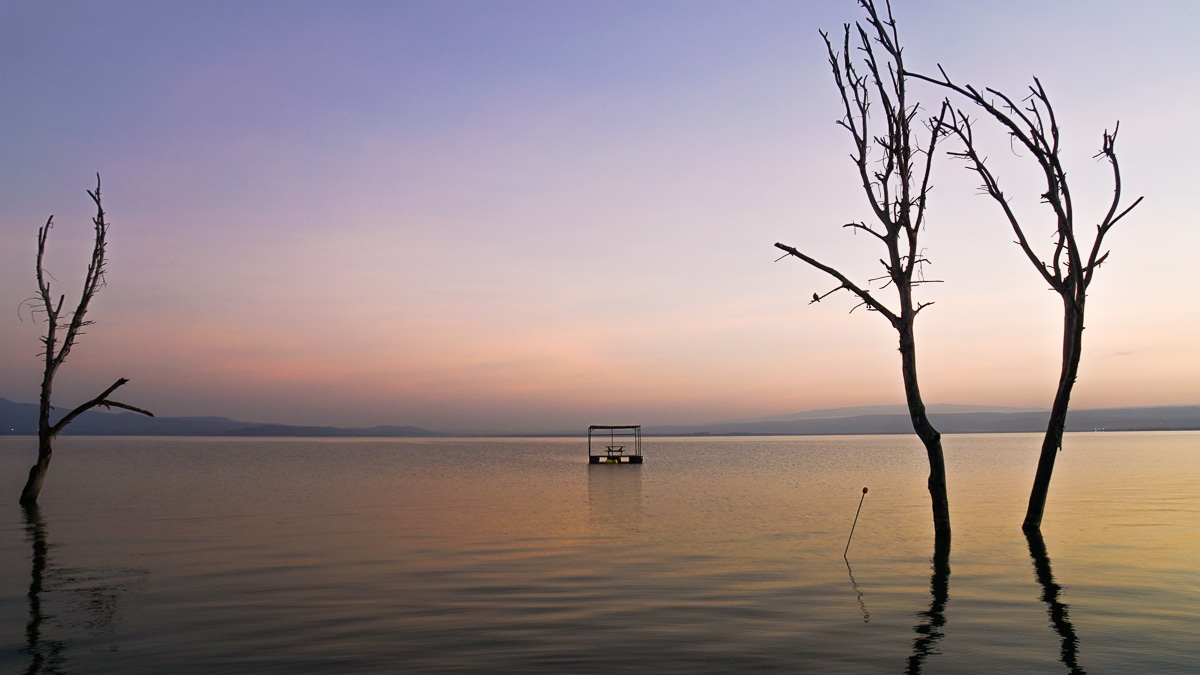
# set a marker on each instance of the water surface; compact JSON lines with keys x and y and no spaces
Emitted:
{"x":200,"y":555}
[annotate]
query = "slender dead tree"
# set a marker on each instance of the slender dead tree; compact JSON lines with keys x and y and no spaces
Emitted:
{"x":57,"y":344}
{"x":897,"y":188}
{"x":1032,"y":125}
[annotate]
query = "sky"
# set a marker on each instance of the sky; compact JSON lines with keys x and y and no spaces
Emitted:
{"x":528,"y":215}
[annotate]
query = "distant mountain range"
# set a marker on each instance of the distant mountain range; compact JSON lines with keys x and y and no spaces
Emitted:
{"x":858,"y":411}
{"x":949,"y":419}
{"x":21,"y":419}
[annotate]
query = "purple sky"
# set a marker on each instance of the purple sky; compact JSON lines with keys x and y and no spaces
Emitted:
{"x":499,"y":216}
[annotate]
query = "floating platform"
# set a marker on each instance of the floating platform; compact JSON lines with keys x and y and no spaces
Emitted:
{"x":624,"y":444}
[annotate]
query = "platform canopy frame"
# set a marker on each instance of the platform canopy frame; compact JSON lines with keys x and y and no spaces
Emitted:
{"x":624,"y":444}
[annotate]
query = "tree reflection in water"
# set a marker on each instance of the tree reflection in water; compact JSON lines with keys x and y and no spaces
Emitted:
{"x":1057,"y":610}
{"x":67,"y":599}
{"x":46,"y":656}
{"x":929,"y":631}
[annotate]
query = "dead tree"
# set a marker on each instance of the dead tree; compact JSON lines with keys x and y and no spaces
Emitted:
{"x":897,"y":188}
{"x":1031,"y":124}
{"x":57,"y":344}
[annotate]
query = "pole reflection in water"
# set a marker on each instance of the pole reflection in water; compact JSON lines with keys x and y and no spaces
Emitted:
{"x":862,"y":605}
{"x":1056,"y":609}
{"x":929,"y":631}
{"x":614,"y":497}
{"x":46,"y":656}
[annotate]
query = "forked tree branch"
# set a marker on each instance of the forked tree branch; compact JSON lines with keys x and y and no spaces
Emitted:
{"x":959,"y":125}
{"x":1108,"y":151}
{"x":896,"y":187}
{"x":101,"y":400}
{"x":1035,"y":127}
{"x":93,"y":281}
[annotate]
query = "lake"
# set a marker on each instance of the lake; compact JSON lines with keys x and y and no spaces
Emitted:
{"x":717,"y":555}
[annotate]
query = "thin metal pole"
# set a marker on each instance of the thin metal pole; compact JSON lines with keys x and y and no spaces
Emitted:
{"x":860,"y":503}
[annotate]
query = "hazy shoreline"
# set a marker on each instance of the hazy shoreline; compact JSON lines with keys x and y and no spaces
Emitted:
{"x":19,"y":419}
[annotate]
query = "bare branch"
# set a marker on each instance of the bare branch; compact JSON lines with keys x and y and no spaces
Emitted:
{"x":856,"y":105}
{"x":1108,"y":151}
{"x":846,"y":283}
{"x":866,"y":228}
{"x":99,"y":400}
{"x":959,"y":125}
{"x":93,"y":280}
{"x":126,"y":406}
{"x":936,"y":130}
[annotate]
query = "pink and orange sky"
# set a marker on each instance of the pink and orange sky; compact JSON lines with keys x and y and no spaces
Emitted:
{"x":532,"y":216}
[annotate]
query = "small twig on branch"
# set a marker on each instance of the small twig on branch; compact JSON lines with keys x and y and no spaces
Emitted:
{"x":817,"y":297}
{"x":866,"y":228}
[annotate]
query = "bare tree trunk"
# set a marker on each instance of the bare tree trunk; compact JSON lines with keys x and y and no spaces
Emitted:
{"x":37,"y":473}
{"x":929,"y":436}
{"x":1052,"y":442}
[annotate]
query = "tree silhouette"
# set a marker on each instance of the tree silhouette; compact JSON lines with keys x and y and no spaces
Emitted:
{"x":897,"y":188}
{"x":1031,"y":124}
{"x":57,"y":344}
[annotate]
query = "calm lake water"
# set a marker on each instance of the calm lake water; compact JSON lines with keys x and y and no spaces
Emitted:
{"x":201,"y":555}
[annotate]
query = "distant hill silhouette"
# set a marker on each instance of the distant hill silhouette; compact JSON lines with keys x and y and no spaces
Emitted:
{"x":21,"y":419}
{"x":948,"y":419}
{"x":898,"y":409}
